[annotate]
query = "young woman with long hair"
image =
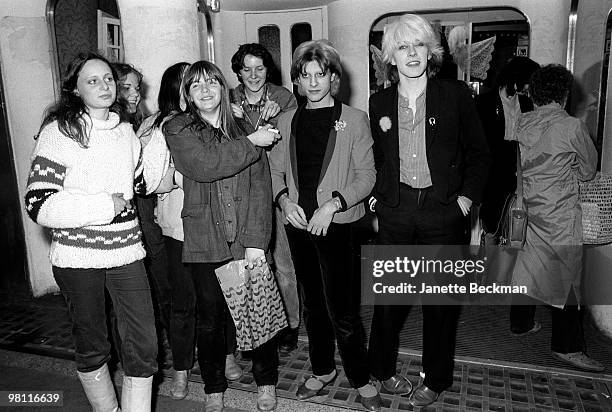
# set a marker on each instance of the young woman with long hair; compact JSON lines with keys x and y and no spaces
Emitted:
{"x":182,"y":317}
{"x":227,"y":215}
{"x":129,"y":81}
{"x":85,"y":170}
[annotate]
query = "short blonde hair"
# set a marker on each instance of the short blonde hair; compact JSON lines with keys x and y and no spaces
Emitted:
{"x":412,"y":26}
{"x":322,"y":52}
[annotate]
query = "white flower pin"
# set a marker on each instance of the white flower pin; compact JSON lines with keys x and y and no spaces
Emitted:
{"x":385,"y":123}
{"x":339,"y":125}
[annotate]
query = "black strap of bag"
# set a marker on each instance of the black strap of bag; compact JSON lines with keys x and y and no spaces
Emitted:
{"x":519,"y":178}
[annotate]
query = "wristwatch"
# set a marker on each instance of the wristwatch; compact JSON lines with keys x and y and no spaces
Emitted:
{"x":337,"y":203}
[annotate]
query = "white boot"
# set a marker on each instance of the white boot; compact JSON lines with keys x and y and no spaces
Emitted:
{"x":99,"y":389}
{"x":136,"y":394}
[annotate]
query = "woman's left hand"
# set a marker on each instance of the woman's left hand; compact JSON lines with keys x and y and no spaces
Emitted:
{"x":321,"y":219}
{"x":254,"y":257}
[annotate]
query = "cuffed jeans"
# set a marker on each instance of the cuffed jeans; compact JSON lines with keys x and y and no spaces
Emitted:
{"x":128,"y":287}
{"x":183,"y":307}
{"x":324,"y":268}
{"x":284,"y":272}
{"x":213,"y":321}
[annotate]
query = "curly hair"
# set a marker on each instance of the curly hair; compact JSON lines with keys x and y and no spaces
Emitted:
{"x":550,"y":83}
{"x":255,"y":49}
{"x":516,"y":74}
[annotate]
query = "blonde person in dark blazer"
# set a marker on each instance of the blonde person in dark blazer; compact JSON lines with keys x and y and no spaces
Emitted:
{"x":432,"y":162}
{"x":322,"y":170}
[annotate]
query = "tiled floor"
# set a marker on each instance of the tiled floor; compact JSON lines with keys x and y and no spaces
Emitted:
{"x":479,"y":384}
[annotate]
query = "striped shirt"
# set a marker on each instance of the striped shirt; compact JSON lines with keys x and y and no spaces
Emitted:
{"x":414,"y":170}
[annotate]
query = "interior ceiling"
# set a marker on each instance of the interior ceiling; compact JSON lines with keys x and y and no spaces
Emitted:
{"x":473,"y":16}
{"x":269,"y":5}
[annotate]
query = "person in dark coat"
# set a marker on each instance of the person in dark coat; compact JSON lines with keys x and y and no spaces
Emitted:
{"x":431,"y":164}
{"x":501,"y":182}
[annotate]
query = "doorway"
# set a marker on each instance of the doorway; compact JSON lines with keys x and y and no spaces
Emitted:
{"x":13,"y":277}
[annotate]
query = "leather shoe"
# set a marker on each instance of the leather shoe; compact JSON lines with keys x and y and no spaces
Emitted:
{"x":580,"y":360}
{"x":534,"y":329}
{"x":423,"y":396}
{"x":180,"y":382}
{"x":214,"y":402}
{"x":303,"y":392}
{"x":397,"y":385}
{"x":233,"y":371}
{"x":371,"y":403}
{"x":266,"y":398}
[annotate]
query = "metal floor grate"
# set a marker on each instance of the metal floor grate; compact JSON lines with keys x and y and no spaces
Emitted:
{"x":478,"y":385}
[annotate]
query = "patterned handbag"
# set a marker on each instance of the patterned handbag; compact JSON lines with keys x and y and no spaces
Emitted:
{"x":596,"y":203}
{"x":253,"y":301}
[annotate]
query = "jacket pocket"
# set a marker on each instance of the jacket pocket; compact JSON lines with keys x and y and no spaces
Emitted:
{"x":197,"y":222}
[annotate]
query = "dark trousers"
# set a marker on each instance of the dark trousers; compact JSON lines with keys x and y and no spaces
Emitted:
{"x":567,"y":334}
{"x":213,"y":321}
{"x":331,"y":291}
{"x":419,"y":219}
{"x":128,"y":287}
{"x":183,"y":306}
{"x":157,"y":258}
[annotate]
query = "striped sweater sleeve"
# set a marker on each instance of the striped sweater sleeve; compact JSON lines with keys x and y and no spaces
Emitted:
{"x":46,"y":201}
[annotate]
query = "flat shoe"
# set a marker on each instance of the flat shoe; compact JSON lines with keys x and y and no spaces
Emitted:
{"x":266,"y":398}
{"x":372,"y":403}
{"x":233,"y":371}
{"x":535,"y":329}
{"x":180,"y":386}
{"x":214,"y":402}
{"x":580,"y":360}
{"x":423,"y":396}
{"x":303,"y":392}
{"x":397,"y":385}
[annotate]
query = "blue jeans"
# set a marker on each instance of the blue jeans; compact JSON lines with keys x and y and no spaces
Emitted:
{"x":284,"y":272}
{"x":128,"y":287}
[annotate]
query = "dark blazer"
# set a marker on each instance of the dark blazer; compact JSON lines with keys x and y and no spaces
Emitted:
{"x":456,"y":147}
{"x":203,"y":160}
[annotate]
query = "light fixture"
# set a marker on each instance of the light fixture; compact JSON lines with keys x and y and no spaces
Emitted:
{"x":213,"y":5}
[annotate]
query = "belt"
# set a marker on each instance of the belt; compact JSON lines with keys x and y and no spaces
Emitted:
{"x":404,"y":186}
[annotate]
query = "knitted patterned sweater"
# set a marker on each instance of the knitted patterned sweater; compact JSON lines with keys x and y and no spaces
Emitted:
{"x":70,"y":191}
